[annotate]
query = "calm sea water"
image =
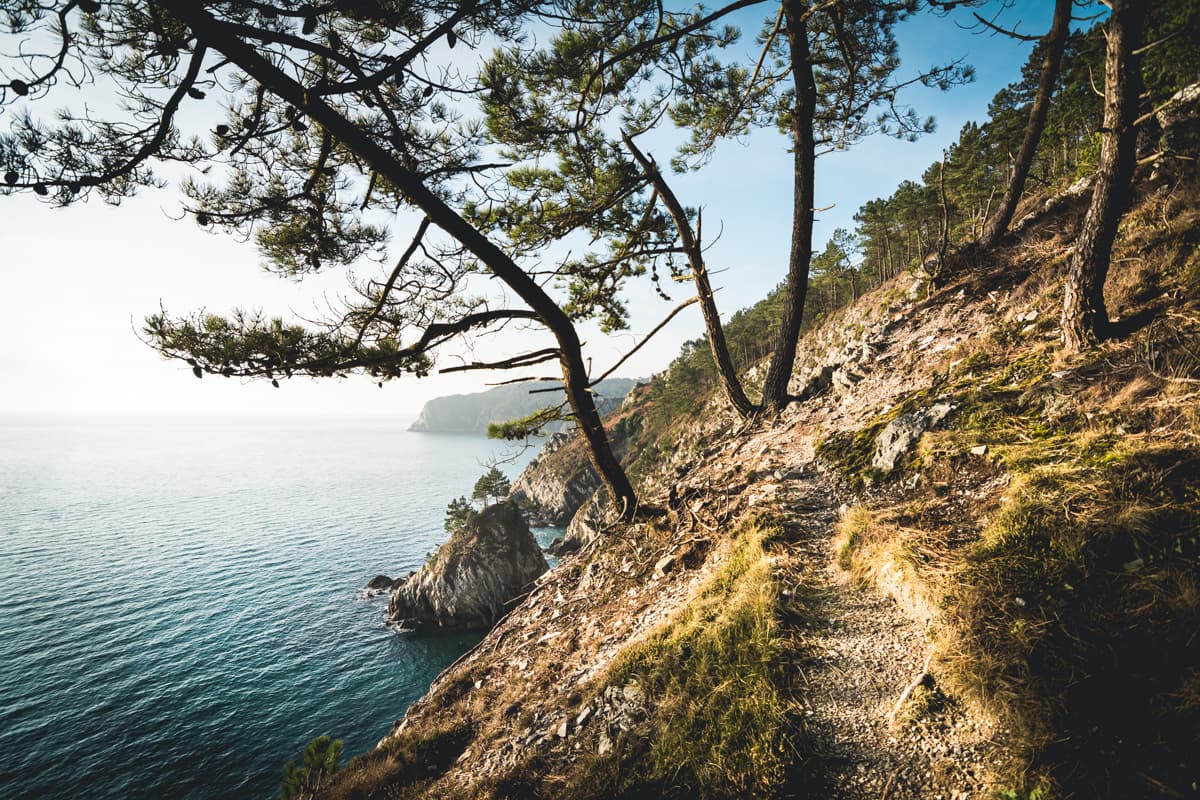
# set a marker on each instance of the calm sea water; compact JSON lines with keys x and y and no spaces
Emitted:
{"x":177,"y":597}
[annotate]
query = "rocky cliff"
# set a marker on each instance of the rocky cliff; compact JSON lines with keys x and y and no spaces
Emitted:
{"x":561,"y":478}
{"x":472,"y":577}
{"x":558,"y":481}
{"x":472,"y":413}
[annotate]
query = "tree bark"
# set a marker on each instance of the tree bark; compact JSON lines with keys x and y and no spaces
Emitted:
{"x":1054,"y":42}
{"x":730,"y":383}
{"x":1085,"y":316}
{"x":779,"y":372}
{"x":575,"y":377}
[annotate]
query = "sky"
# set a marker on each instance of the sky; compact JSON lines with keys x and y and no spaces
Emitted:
{"x":75,"y":283}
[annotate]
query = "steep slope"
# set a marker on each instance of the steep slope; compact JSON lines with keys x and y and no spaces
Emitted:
{"x":1005,"y":606}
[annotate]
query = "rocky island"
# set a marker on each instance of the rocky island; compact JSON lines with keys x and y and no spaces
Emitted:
{"x":470,"y":580}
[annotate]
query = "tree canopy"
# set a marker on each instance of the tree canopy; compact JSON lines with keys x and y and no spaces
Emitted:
{"x":309,"y":130}
{"x":482,"y":136}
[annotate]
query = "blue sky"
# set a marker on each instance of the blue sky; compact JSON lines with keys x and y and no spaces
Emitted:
{"x":75,"y":283}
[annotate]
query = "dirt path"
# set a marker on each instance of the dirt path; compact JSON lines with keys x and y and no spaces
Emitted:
{"x":862,"y":654}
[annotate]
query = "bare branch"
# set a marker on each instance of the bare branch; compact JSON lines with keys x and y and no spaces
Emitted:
{"x":1021,"y":37}
{"x":391,"y":281}
{"x":523,"y":360}
{"x":645,"y":339}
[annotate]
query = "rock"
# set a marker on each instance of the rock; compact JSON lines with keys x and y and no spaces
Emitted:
{"x":664,"y":564}
{"x":472,"y":577}
{"x":845,"y":378}
{"x":381,"y":583}
{"x":561,"y":479}
{"x":605,"y":745}
{"x":902,"y":433}
{"x":564,"y":729}
{"x":979,"y":450}
{"x":561,"y":547}
{"x":1078,"y":189}
{"x":814,"y":382}
{"x":589,"y":521}
{"x":558,"y":481}
{"x":1178,"y":122}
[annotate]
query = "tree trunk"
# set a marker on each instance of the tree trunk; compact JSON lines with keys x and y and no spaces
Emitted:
{"x":730,"y":383}
{"x":1055,"y":42}
{"x":779,"y":373}
{"x":1085,"y":317}
{"x":575,"y":377}
{"x":939,"y":270}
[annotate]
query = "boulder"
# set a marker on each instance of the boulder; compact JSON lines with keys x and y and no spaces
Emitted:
{"x":903,"y":432}
{"x":815,"y":381}
{"x":472,"y":578}
{"x":589,"y":522}
{"x":380,"y":583}
{"x":561,"y":547}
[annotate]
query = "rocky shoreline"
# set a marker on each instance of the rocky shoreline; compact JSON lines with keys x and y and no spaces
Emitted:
{"x":471,"y":580}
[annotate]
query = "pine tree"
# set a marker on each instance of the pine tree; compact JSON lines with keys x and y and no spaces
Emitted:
{"x":1052,"y":47}
{"x":310,"y":128}
{"x":459,"y":514}
{"x":320,"y":762}
{"x":1085,"y":315}
{"x":492,"y":483}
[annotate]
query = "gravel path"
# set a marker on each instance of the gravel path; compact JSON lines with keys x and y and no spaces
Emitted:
{"x":862,"y":654}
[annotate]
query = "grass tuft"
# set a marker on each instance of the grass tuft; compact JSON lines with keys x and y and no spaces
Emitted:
{"x":721,"y":724}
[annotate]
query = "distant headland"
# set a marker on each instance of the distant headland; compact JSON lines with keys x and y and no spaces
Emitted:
{"x":471,"y":413}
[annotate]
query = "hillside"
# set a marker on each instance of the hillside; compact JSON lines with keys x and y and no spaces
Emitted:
{"x":472,"y":413}
{"x":1009,"y":610}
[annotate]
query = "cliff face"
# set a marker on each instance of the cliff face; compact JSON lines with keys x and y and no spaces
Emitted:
{"x":558,"y":481}
{"x":472,"y":576}
{"x":561,"y":479}
{"x":471,"y":413}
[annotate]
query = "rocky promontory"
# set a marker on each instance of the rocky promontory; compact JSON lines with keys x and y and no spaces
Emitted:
{"x":470,"y":580}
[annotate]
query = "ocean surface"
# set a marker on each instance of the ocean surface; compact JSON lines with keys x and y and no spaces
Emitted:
{"x":178,"y":611}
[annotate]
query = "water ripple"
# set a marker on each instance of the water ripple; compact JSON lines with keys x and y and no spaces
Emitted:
{"x":177,"y":613}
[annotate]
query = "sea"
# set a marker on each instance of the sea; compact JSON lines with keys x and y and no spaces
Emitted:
{"x":180,"y":606}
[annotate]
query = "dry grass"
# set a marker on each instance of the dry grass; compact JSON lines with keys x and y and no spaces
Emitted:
{"x":879,"y":550}
{"x":721,"y":724}
{"x":402,"y":768}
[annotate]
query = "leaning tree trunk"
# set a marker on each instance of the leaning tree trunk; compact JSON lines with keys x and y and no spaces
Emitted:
{"x":730,"y":383}
{"x":1085,"y":317}
{"x":1055,"y":42}
{"x":779,"y":372}
{"x":575,"y":377}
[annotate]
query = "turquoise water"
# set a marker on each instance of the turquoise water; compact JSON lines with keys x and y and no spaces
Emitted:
{"x":177,"y":597}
